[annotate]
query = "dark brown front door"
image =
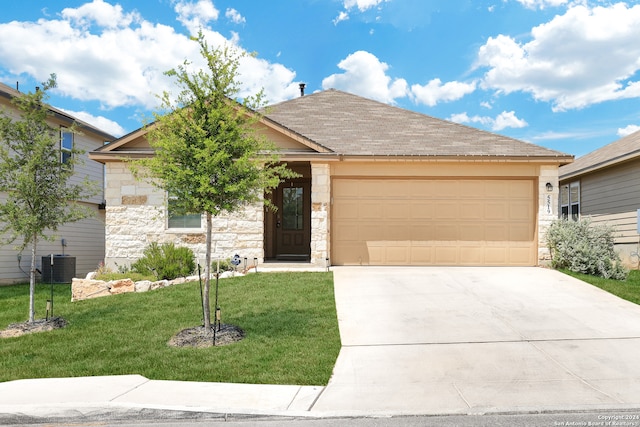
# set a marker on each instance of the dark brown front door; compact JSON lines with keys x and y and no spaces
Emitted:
{"x":293,"y":221}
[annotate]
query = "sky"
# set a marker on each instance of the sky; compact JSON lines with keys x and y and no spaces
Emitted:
{"x":562,"y":74}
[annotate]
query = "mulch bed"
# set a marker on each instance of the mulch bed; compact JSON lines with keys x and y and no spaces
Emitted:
{"x":40,"y":325}
{"x":200,"y":337}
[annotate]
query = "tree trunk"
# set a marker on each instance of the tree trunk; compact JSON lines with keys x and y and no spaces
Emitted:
{"x":207,"y":276}
{"x":32,"y":281}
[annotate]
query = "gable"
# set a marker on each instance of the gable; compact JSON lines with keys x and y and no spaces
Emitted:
{"x":339,"y":125}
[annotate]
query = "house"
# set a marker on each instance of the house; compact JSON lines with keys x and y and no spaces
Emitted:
{"x":379,"y":185}
{"x":604,"y":185}
{"x":83,"y":240}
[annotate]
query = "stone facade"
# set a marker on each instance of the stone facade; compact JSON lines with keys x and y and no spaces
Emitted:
{"x":136,"y":216}
{"x":547,"y":209}
{"x":320,"y":203}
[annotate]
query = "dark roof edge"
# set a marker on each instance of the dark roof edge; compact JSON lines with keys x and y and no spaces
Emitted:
{"x":602,"y":165}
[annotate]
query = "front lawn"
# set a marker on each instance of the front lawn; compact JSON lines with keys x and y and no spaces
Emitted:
{"x":627,"y":289}
{"x":289,"y":319}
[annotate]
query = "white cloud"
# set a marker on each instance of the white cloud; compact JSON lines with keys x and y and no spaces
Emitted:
{"x":366,"y":75}
{"x":235,"y":16}
{"x":99,"y":122}
{"x":342,"y":16}
{"x":628,"y":130}
{"x":101,"y":13}
{"x":434,"y":91}
{"x":541,"y":4}
{"x":101,"y":53}
{"x":586,"y":56}
{"x":506,"y":119}
{"x":196,"y":15}
{"x":362,"y":5}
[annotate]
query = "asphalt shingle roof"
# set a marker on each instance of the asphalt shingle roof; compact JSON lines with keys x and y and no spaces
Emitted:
{"x":620,"y":150}
{"x":352,"y":125}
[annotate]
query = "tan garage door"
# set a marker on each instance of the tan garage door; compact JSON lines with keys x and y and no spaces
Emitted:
{"x":433,"y":222}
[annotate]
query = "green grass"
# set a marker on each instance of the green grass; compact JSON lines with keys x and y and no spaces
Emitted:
{"x":628,"y":289}
{"x":289,"y":319}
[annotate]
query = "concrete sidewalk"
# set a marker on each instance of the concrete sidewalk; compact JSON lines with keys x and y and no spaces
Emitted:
{"x":69,"y":397}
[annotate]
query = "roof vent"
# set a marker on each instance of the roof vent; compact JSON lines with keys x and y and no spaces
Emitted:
{"x":302,"y":85}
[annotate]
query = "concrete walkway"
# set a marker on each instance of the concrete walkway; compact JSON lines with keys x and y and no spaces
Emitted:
{"x":415,"y":341}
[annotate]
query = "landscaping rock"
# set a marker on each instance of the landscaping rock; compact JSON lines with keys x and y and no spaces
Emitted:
{"x":121,"y":286}
{"x":82,"y":289}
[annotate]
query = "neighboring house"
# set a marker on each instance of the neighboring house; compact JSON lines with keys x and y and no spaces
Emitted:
{"x":379,"y":185}
{"x":604,"y":185}
{"x":83,"y":240}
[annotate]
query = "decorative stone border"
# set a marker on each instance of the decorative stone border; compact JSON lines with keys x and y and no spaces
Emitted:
{"x":82,"y":289}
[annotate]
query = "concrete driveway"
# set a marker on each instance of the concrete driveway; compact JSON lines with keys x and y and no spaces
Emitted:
{"x":441,"y":340}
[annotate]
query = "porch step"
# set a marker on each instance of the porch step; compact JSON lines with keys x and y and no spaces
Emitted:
{"x":288,"y":266}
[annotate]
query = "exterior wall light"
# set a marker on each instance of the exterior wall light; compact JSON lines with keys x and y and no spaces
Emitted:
{"x":549,"y":187}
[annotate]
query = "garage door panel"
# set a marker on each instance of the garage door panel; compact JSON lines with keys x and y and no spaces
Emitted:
{"x":420,"y":209}
{"x":520,"y":211}
{"x":394,"y":210}
{"x":446,"y":209}
{"x":520,"y":232}
{"x":471,"y":210}
{"x":433,"y":222}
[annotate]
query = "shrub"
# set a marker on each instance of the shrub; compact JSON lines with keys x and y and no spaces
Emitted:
{"x":585,"y":248}
{"x":165,"y":261}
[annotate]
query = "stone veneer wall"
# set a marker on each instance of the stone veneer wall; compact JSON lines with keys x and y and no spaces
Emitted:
{"x":136,"y":217}
{"x":320,"y":202}
{"x":548,"y":208}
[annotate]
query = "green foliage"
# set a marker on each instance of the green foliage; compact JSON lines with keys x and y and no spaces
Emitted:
{"x":165,"y":262}
{"x":582,"y":247}
{"x":208,"y":154}
{"x":289,"y":319}
{"x":40,"y":196}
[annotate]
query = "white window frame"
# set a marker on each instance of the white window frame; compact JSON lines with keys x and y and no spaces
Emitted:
{"x":66,"y":152}
{"x":570,"y":202}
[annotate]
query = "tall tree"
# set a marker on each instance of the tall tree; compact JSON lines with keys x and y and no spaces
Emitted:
{"x":35,"y":179}
{"x":207,"y":154}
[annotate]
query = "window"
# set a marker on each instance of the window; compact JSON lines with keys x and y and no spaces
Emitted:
{"x":66,"y":145}
{"x":292,"y":208}
{"x":182,"y":221}
{"x":570,"y":201}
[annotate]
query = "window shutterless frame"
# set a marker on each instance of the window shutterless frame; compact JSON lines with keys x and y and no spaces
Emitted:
{"x":66,"y":144}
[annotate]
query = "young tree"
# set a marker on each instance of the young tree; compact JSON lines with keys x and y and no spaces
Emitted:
{"x":207,"y":154}
{"x":39,"y":195}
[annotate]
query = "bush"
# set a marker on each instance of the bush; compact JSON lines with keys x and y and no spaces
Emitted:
{"x":582,"y":247}
{"x":165,"y":261}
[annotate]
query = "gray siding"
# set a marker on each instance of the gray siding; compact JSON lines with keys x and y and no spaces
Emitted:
{"x":612,"y":196}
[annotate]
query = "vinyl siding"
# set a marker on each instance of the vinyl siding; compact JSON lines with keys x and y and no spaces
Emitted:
{"x":612,"y":196}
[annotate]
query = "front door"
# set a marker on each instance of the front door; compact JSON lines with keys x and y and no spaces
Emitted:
{"x":293,"y":221}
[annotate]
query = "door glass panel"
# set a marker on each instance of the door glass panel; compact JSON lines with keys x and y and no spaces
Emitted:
{"x":292,"y":208}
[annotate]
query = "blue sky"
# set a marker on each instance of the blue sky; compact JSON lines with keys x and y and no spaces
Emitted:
{"x":559,"y":73}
